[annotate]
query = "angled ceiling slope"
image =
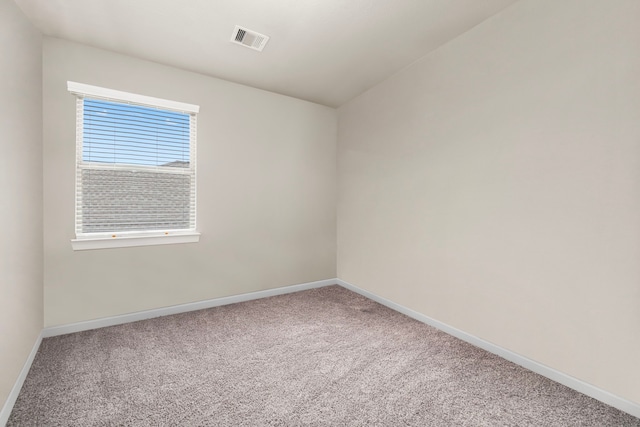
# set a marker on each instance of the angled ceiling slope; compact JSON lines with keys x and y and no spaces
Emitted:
{"x":324,"y":51}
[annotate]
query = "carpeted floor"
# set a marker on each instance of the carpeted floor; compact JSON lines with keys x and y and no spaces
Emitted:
{"x":324,"y":357}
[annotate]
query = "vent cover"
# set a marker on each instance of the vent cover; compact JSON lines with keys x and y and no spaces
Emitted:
{"x":249,"y":38}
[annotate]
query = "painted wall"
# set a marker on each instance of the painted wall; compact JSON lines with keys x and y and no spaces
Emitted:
{"x":21,"y":189}
{"x":494,"y":185}
{"x":266,"y":193}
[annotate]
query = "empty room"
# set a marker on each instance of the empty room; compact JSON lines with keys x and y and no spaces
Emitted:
{"x":320,"y":212}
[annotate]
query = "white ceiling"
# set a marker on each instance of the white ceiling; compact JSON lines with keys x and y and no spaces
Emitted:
{"x":325,"y":51}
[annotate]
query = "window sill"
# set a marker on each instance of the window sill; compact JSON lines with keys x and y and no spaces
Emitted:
{"x":89,"y":243}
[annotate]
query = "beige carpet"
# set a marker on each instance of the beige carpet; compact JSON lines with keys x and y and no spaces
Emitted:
{"x":324,"y":357}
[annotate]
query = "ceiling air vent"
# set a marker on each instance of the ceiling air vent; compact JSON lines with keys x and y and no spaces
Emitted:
{"x":249,"y":38}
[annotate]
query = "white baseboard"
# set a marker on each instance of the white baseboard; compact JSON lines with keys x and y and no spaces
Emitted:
{"x":181,"y":308}
{"x":17,"y":386}
{"x":555,"y":375}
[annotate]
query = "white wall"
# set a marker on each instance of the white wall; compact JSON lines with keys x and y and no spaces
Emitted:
{"x":21,"y":189}
{"x":266,"y":193}
{"x":494,"y":185}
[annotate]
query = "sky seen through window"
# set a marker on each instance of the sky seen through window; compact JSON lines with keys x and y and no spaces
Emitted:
{"x":125,"y":134}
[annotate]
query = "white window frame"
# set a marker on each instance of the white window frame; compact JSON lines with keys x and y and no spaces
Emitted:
{"x":127,"y":238}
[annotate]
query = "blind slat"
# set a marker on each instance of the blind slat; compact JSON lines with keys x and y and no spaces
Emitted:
{"x":93,"y":123}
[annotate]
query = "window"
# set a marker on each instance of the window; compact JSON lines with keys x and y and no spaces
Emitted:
{"x":135,"y":169}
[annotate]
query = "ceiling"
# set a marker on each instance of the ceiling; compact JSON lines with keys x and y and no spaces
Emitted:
{"x":324,"y":51}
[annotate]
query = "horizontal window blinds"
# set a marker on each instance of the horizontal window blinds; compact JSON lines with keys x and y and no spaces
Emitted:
{"x":134,"y":135}
{"x":135,"y":168}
